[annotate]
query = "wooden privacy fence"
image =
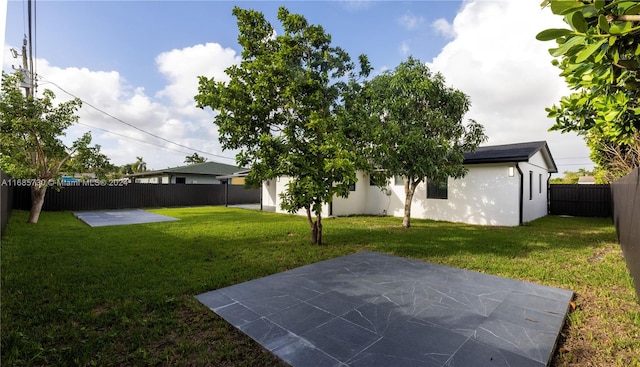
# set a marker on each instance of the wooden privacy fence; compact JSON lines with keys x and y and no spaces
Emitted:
{"x":580,"y":200}
{"x":6,"y":201}
{"x":626,"y":217}
{"x":86,"y":197}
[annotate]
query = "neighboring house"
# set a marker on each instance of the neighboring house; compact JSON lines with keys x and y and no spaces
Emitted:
{"x":586,"y":180}
{"x":236,"y":178}
{"x":200,"y":173}
{"x":506,"y":185}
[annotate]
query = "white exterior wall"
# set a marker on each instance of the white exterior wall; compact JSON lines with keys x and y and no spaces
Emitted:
{"x":534,"y":206}
{"x":361,"y":201}
{"x":487,"y":195}
{"x":271,"y":196}
{"x":195,"y":179}
{"x":152,"y":179}
{"x":189,"y":179}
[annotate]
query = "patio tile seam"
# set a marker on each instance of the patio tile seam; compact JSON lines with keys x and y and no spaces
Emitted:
{"x":509,"y":324}
{"x":457,"y":350}
{"x":538,"y":357}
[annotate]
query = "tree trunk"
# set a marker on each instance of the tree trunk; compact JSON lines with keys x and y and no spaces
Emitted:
{"x":409,"y":189}
{"x":316,"y":227}
{"x":37,"y":200}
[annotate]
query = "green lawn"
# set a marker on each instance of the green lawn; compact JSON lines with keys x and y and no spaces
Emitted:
{"x":117,"y":296}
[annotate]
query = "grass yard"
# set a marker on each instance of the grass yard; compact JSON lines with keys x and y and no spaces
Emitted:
{"x":123,"y":296}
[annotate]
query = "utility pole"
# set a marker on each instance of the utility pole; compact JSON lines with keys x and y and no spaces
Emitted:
{"x":32,"y":77}
{"x":3,"y":25}
{"x":28,"y":77}
{"x":27,"y":80}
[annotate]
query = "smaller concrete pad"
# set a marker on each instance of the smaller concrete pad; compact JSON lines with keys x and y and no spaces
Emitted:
{"x":370,"y":309}
{"x":101,"y":218}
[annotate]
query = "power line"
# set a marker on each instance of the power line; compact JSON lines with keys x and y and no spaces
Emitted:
{"x":132,"y":138}
{"x":556,"y":158}
{"x":577,"y":164}
{"x":131,"y":125}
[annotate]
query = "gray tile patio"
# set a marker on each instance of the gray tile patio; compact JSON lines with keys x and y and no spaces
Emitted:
{"x":372,"y":309}
{"x":101,"y":218}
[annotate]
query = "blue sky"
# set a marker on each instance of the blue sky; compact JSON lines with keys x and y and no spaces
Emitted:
{"x":138,"y":61}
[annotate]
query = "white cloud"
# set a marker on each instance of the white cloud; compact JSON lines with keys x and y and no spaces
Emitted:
{"x":355,"y":5}
{"x":410,"y":21}
{"x":170,"y":114}
{"x":404,"y":48}
{"x":182,"y":67}
{"x":443,"y":27}
{"x":496,"y":60}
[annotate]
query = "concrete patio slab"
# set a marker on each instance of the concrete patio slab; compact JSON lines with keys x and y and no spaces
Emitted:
{"x":372,"y":309}
{"x":101,"y":218}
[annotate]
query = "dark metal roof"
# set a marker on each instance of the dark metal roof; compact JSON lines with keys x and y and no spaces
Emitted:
{"x":206,"y":168}
{"x":518,"y":152}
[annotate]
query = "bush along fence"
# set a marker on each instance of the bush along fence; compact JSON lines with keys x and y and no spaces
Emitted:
{"x":626,"y":217}
{"x":580,"y":200}
{"x":122,"y":196}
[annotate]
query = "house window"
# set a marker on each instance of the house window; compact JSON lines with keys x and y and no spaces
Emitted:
{"x":530,"y":185}
{"x":352,"y":187}
{"x":540,"y":183}
{"x":398,"y":180}
{"x":437,"y":189}
{"x":181,"y":180}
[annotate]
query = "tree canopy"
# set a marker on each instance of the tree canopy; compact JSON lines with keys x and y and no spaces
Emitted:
{"x":571,"y":177}
{"x":194,"y":159}
{"x":599,"y":57}
{"x":30,"y":144}
{"x":139,"y":165}
{"x":418,"y":124}
{"x":281,"y":109}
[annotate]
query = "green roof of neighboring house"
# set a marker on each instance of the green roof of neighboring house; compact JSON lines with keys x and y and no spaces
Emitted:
{"x":206,"y":168}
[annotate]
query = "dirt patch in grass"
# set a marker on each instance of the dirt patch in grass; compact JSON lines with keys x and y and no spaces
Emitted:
{"x":204,"y":339}
{"x":604,"y":328}
{"x":600,"y":253}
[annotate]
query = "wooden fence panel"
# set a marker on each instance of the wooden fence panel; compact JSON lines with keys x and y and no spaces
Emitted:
{"x":6,"y":200}
{"x":626,"y":216}
{"x":85,"y":197}
{"x":239,"y":194}
{"x":580,"y":200}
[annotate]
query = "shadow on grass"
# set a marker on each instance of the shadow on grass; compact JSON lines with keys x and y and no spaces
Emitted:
{"x":77,"y":295}
{"x":430,"y":239}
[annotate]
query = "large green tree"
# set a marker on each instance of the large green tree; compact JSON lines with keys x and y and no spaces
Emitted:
{"x":571,"y":177}
{"x":139,"y":165}
{"x":194,"y":158}
{"x":30,"y":147}
{"x":419,"y":129}
{"x":599,"y":57}
{"x":281,"y":107}
{"x":90,"y":159}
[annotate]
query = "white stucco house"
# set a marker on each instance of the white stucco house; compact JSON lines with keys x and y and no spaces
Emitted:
{"x":506,"y":185}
